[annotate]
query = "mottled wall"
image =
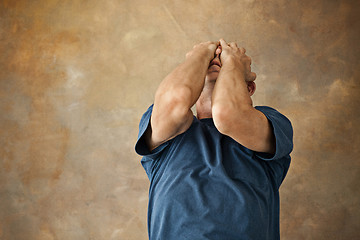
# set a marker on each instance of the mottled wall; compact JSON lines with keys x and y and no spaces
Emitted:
{"x":75,"y":77}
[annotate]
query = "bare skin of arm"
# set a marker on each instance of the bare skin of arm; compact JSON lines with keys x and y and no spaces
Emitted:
{"x":176,"y":94}
{"x":232,"y":108}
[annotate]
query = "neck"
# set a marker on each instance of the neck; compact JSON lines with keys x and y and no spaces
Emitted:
{"x":203,"y":105}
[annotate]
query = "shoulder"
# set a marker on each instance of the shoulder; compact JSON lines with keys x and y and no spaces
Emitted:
{"x":274,"y":115}
{"x":268,"y":110}
{"x":282,"y":129}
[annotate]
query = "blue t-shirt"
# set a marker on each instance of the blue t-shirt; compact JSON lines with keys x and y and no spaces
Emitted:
{"x":205,"y":185}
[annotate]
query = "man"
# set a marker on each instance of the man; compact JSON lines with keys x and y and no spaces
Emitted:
{"x":217,"y":175}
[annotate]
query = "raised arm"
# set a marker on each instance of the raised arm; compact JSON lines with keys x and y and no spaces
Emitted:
{"x":177,"y":93}
{"x":232,"y":109}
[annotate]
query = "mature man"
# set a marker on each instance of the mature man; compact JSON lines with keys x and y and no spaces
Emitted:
{"x":217,"y":175}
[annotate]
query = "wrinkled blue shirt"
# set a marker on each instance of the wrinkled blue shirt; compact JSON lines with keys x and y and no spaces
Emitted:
{"x":205,"y":185}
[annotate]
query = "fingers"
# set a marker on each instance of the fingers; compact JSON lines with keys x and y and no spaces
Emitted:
{"x":212,"y":43}
{"x":205,"y":49}
{"x":233,"y":45}
{"x":232,"y":48}
{"x":209,"y":43}
{"x":223,"y":43}
{"x":225,"y":50}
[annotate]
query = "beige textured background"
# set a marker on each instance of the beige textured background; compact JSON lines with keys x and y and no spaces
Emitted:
{"x":76,"y":76}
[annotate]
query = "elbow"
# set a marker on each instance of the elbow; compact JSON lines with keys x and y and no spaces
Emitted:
{"x":174,"y":102}
{"x":222,"y":117}
{"x":226,"y":118}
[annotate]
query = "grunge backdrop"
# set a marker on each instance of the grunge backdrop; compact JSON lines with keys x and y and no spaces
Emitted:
{"x":76,"y":76}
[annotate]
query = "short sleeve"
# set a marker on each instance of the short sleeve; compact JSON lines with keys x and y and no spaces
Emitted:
{"x":141,"y":147}
{"x":283,"y":132}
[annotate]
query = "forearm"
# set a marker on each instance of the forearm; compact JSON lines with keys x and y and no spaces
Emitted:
{"x":235,"y":116}
{"x":187,"y":79}
{"x":177,"y":93}
{"x":231,"y":92}
{"x":232,"y":108}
